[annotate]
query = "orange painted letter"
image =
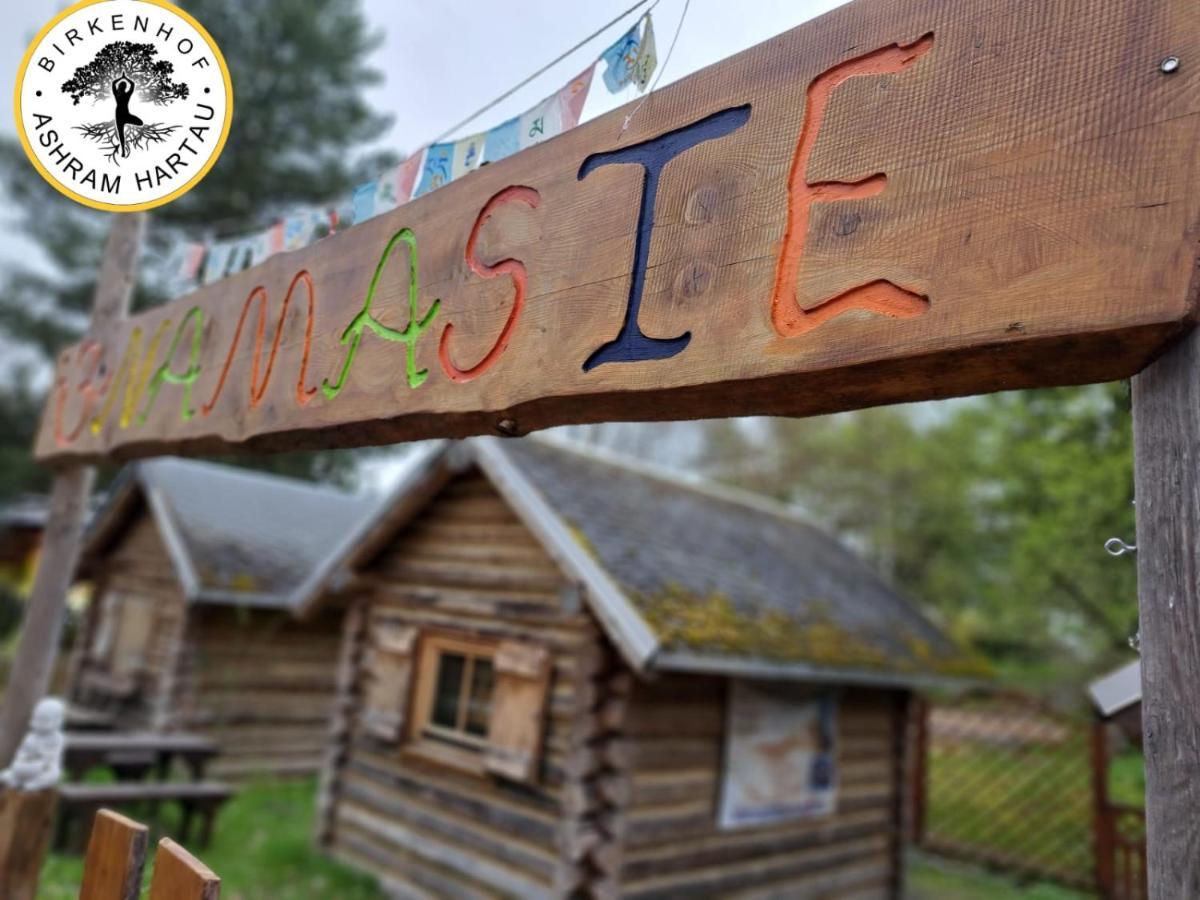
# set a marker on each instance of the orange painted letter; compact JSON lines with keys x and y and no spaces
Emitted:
{"x":515,"y":269}
{"x":789,"y":317}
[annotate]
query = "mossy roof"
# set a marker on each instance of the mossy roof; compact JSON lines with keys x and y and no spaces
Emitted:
{"x":720,"y":575}
{"x":242,"y":536}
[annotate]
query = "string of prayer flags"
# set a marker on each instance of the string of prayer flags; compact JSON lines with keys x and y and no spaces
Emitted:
{"x":630,"y":59}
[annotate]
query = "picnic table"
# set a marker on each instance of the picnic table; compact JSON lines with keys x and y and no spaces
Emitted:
{"x":131,"y":755}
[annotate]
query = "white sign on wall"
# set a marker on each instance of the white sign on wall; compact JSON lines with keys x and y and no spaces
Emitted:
{"x":780,"y":756}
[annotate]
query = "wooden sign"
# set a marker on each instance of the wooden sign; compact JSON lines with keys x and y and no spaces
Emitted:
{"x":897,"y":201}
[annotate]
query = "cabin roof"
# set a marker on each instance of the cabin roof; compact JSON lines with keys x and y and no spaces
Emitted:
{"x":686,"y":575}
{"x":234,"y":536}
{"x":1118,"y":690}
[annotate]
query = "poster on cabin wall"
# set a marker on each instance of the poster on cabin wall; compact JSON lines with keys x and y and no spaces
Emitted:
{"x":780,"y":756}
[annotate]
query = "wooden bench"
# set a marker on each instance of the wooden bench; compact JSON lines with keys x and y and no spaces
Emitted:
{"x":203,"y":797}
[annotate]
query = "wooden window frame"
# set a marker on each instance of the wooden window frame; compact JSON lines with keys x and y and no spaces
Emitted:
{"x":448,"y":750}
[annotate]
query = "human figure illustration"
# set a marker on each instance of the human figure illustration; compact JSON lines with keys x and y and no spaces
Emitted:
{"x":123,"y":89}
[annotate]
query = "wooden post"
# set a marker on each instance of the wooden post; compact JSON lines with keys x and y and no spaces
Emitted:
{"x":26,"y":824}
{"x":42,"y":626}
{"x":1166,"y":409}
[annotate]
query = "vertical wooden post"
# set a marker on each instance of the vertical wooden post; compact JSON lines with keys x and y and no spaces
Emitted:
{"x":1166,"y":411}
{"x":26,"y":824}
{"x":1102,"y":821}
{"x":44,"y":612}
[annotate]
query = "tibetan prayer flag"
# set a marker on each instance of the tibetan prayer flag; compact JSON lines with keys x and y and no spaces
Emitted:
{"x":363,"y":201}
{"x":620,"y":59}
{"x":542,"y":122}
{"x":647,"y":58}
{"x":572,"y":97}
{"x":503,"y":140}
{"x":216,"y":261}
{"x":189,"y":262}
{"x":468,"y":154}
{"x":406,"y":176}
{"x":439,"y":162}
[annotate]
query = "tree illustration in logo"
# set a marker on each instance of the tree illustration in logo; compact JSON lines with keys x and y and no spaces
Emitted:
{"x":118,"y":72}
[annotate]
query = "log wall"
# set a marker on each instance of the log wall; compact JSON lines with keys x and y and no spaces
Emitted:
{"x":262,"y":685}
{"x":467,"y":565}
{"x":137,"y":564}
{"x":673,"y":847}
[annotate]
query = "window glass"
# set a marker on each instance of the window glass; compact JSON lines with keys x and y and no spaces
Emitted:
{"x":448,"y":690}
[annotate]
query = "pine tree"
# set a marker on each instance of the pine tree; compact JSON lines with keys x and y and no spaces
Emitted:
{"x":299,"y":130}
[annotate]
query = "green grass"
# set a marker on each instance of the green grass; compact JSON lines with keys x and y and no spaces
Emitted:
{"x":935,"y":879}
{"x":262,"y":848}
{"x":1127,"y":778}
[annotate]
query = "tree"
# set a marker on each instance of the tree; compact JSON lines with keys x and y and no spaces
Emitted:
{"x":301,"y":134}
{"x":124,"y":59}
{"x":990,"y":512}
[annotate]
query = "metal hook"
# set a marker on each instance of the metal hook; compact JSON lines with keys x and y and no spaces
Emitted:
{"x":1117,"y":547}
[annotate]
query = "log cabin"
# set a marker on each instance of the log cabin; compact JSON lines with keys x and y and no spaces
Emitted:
{"x":193,"y":568}
{"x":566,"y":675}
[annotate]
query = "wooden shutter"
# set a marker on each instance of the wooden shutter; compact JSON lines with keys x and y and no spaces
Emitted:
{"x":514,"y":743}
{"x":135,"y":627}
{"x":388,"y":673}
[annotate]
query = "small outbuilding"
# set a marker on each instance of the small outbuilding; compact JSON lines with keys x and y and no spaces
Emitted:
{"x":194,"y":567}
{"x":563,"y":674}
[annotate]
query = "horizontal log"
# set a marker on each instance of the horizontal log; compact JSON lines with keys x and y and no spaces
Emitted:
{"x":441,"y":853}
{"x":885,"y":204}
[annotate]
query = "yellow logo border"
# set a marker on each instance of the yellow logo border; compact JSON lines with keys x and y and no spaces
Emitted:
{"x":123,"y":207}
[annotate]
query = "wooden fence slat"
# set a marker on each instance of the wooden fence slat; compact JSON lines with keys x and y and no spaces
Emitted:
{"x":115,"y":856}
{"x":26,"y":823}
{"x":180,"y":876}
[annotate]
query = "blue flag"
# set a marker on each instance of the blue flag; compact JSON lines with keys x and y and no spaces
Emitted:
{"x":503,"y":140}
{"x":621,"y":60}
{"x":439,"y":161}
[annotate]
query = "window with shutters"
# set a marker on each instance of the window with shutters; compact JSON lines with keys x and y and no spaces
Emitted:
{"x":479,"y":704}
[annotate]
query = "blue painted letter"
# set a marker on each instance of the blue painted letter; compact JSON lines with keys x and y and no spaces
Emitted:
{"x":630,"y":344}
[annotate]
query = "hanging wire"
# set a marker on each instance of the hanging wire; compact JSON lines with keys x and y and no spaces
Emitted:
{"x":512,"y":90}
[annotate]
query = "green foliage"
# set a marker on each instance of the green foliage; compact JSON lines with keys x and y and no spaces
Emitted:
{"x":992,"y":513}
{"x":262,"y":847}
{"x":300,"y":134}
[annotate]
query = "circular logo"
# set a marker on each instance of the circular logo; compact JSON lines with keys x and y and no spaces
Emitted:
{"x":123,"y":104}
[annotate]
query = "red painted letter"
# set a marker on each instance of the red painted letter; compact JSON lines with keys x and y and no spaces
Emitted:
{"x":788,"y":316}
{"x":511,"y":267}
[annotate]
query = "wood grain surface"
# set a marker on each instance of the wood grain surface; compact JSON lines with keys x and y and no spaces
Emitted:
{"x":900,"y":200}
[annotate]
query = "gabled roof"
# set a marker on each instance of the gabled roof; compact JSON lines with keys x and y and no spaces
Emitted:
{"x":683,"y":576}
{"x":234,"y":536}
{"x":1117,"y":690}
